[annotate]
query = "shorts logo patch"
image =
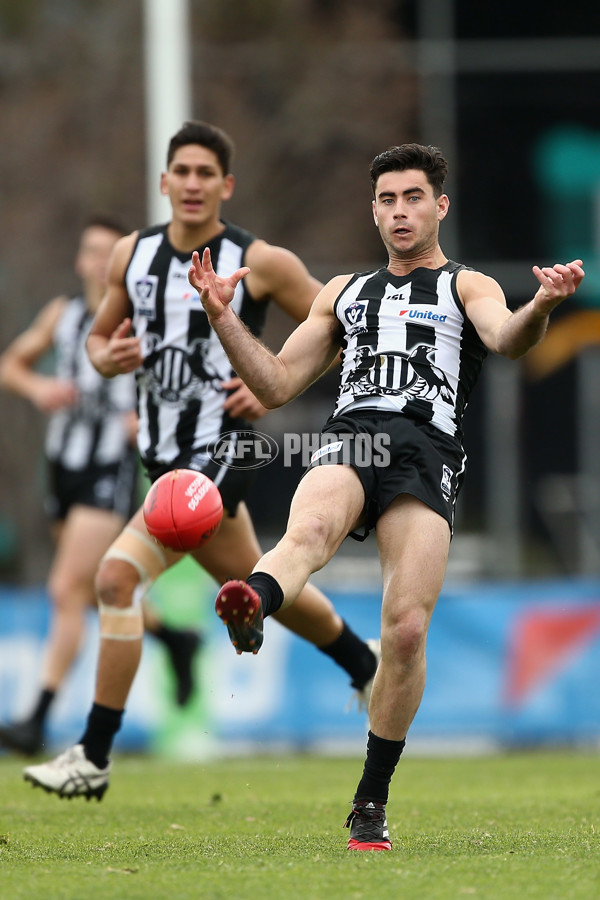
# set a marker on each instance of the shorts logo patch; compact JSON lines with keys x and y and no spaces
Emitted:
{"x":329,"y":448}
{"x":446,"y":482}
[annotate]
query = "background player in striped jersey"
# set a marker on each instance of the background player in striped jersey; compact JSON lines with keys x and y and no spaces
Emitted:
{"x":92,"y":472}
{"x":414,"y":335}
{"x":188,"y":397}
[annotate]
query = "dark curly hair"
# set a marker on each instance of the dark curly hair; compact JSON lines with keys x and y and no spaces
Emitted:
{"x":206,"y":135}
{"x":412,"y":156}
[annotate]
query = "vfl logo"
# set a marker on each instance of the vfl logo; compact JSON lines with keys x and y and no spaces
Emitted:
{"x":145,"y":293}
{"x":355,"y":314}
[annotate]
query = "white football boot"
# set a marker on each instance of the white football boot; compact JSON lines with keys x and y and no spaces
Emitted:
{"x":70,"y":775}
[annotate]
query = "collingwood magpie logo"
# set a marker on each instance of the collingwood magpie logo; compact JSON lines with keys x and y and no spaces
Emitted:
{"x":174,"y":375}
{"x":411,"y":374}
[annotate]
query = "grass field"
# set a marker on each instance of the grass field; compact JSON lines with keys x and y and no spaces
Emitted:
{"x":515,"y":826}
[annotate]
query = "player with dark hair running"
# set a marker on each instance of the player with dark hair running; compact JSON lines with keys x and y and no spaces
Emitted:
{"x":188,"y":396}
{"x":426,"y":323}
{"x":92,"y":472}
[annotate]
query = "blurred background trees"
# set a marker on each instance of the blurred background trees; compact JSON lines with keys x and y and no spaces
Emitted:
{"x":311,"y":90}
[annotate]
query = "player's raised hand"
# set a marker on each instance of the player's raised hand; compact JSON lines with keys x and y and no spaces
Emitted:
{"x":215,"y":292}
{"x":557,"y":283}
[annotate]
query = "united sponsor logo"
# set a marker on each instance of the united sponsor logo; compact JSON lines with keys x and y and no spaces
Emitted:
{"x":414,"y":313}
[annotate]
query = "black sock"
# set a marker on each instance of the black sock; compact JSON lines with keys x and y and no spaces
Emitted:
{"x":382,"y":758}
{"x":102,"y":725}
{"x":268,"y":590}
{"x":353,"y":655}
{"x":42,"y":706}
{"x":168,"y":636}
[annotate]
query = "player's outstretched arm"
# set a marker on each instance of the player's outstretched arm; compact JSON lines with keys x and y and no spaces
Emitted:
{"x":513,"y":334}
{"x":274,"y":380}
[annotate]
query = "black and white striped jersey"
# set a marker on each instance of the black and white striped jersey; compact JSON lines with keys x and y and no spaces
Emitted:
{"x":93,"y":430}
{"x":180,"y":397}
{"x":408,"y":346}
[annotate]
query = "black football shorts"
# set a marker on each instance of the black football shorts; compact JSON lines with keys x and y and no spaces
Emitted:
{"x":394,"y":455}
{"x":112,"y":487}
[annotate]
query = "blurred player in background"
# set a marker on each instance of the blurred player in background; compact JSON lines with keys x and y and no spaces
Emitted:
{"x":92,"y":472}
{"x":415,"y":334}
{"x":188,"y":397}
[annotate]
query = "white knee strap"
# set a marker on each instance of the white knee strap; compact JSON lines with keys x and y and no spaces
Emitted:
{"x":149,"y":561}
{"x":121,"y":624}
{"x":141,"y":552}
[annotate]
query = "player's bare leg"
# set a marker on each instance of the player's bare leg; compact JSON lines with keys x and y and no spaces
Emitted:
{"x":317,"y":525}
{"x":86,"y":534}
{"x":312,"y":617}
{"x":81,"y":542}
{"x":413,"y":545}
{"x":133,"y":562}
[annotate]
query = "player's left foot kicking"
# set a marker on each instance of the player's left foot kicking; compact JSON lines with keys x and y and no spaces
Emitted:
{"x":70,"y":775}
{"x":239,"y":607}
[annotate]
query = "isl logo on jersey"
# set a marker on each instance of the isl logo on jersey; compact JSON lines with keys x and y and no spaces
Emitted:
{"x":244,"y":450}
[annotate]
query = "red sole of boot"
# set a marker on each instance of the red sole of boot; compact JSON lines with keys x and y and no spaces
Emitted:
{"x":357,"y":845}
{"x":237,"y":605}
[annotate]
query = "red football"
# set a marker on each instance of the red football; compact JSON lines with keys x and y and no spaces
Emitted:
{"x":183,"y":509}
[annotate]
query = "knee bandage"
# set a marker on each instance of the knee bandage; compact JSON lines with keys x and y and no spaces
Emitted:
{"x":149,"y":561}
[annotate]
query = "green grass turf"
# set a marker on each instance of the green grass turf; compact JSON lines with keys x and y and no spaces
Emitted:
{"x":514,"y":826}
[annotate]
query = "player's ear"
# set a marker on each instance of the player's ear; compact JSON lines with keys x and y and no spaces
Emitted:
{"x":163,"y":183}
{"x":375,"y":219}
{"x":443,"y":204}
{"x":228,"y":186}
